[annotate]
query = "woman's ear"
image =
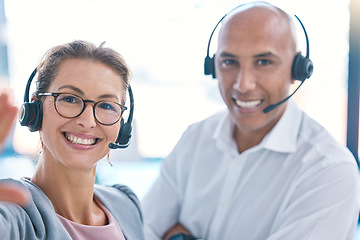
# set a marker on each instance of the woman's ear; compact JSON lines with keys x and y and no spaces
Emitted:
{"x":34,"y":97}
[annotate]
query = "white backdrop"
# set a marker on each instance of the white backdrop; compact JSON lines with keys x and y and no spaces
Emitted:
{"x":164,"y":42}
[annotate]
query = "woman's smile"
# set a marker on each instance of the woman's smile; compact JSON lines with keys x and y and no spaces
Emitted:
{"x":80,"y":140}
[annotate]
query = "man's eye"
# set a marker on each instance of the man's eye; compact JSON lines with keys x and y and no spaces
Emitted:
{"x":263,"y":62}
{"x":227,"y":62}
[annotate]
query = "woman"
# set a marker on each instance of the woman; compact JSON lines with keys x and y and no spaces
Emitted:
{"x":80,"y":94}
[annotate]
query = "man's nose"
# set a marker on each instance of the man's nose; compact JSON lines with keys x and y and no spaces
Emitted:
{"x":245,"y":80}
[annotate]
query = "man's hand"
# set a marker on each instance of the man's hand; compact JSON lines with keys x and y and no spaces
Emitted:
{"x":8,"y":113}
{"x":177,"y":228}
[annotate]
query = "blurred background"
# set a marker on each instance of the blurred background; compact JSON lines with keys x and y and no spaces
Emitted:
{"x":164,"y":43}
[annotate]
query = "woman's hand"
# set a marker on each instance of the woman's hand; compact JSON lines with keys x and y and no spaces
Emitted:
{"x":11,"y":193}
{"x":8,"y":113}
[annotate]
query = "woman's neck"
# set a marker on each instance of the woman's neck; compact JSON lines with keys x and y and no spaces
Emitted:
{"x":70,"y":191}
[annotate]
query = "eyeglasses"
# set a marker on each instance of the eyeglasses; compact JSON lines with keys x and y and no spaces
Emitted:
{"x":70,"y":105}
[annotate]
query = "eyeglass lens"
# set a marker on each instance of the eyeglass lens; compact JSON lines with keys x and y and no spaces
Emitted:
{"x":105,"y":112}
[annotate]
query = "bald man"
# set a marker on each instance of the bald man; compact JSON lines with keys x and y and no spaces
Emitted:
{"x":249,"y":174}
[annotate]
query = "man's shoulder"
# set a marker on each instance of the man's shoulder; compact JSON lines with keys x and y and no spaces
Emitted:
{"x":209,"y":122}
{"x":318,"y":139}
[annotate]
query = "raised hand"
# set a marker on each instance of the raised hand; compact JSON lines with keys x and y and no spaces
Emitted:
{"x":11,"y":193}
{"x":8,"y":113}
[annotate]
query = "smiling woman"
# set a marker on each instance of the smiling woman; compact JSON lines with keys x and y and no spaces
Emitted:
{"x":78,"y":102}
{"x":81,"y":76}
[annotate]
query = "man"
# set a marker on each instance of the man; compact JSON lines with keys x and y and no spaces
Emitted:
{"x":247,"y":174}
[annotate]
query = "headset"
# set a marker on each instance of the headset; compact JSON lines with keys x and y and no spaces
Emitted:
{"x":30,"y":115}
{"x":302,"y":66}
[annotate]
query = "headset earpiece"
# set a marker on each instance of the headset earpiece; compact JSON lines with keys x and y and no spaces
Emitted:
{"x":124,"y":133}
{"x":30,"y":115}
{"x":123,"y":139}
{"x":302,"y":68}
{"x":209,"y":66}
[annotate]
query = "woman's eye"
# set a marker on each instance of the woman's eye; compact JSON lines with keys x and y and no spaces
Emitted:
{"x":69,"y":99}
{"x":106,"y":106}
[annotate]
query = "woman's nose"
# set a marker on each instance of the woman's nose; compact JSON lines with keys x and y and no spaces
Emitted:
{"x":87,"y":118}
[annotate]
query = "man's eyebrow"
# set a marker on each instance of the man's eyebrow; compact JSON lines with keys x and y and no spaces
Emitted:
{"x":78,"y":90}
{"x":226,"y":54}
{"x":265,"y":54}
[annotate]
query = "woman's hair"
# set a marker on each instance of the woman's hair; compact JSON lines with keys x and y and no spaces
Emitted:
{"x":78,"y":49}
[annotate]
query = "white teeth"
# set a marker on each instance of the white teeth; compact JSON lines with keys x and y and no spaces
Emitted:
{"x":82,"y":141}
{"x":247,"y":104}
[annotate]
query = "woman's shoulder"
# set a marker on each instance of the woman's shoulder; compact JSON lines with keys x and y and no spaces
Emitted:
{"x":125,"y":207}
{"x":12,"y":181}
{"x":118,"y":193}
{"x":37,"y":219}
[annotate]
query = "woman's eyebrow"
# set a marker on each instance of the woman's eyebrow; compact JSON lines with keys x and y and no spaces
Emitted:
{"x":78,"y":90}
{"x":106,"y":96}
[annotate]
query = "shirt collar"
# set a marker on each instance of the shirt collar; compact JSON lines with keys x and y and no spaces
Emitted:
{"x":282,"y":138}
{"x":223,"y":134}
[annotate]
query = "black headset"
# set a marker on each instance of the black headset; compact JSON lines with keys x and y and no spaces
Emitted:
{"x":302,"y":67}
{"x":30,"y":115}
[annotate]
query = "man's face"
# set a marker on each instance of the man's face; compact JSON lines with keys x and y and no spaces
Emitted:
{"x":256,"y":49}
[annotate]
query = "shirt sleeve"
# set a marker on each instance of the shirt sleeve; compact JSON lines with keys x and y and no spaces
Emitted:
{"x":12,"y":216}
{"x":322,"y":206}
{"x":9,"y":228}
{"x":161,"y":204}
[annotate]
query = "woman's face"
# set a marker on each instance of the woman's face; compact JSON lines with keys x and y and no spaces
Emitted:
{"x":78,"y":143}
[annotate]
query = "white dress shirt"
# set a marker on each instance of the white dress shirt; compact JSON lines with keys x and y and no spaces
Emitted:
{"x":298,"y":183}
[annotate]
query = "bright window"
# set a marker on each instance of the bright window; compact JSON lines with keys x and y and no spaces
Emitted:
{"x":164,"y":42}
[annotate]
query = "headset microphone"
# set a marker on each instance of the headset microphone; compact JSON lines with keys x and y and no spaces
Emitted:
{"x":272,"y":106}
{"x":117,"y":145}
{"x":123,"y":139}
